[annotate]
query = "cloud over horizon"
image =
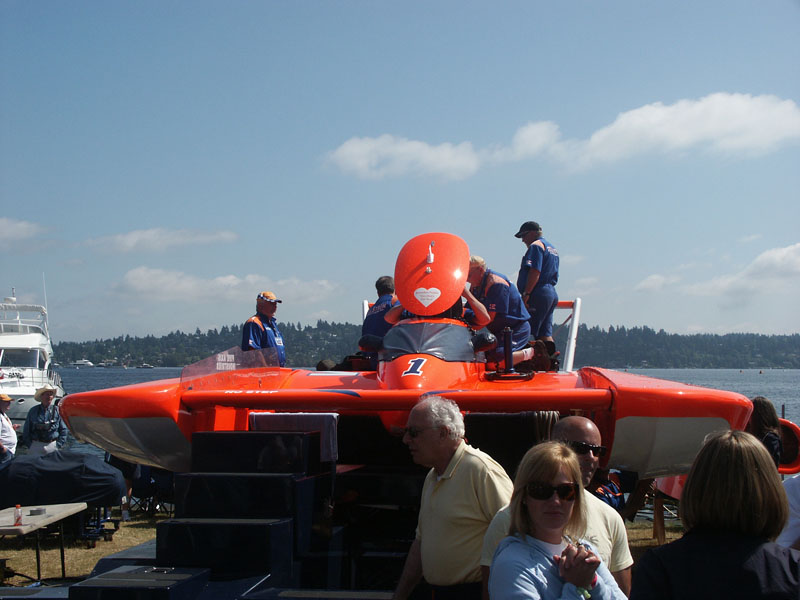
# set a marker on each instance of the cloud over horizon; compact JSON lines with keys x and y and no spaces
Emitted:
{"x":772,"y":271}
{"x":13,"y":231}
{"x":722,"y":123}
{"x":161,"y":285}
{"x":160,"y":239}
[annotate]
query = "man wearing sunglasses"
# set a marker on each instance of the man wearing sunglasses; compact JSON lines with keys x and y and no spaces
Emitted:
{"x":462,"y":492}
{"x":605,"y":529}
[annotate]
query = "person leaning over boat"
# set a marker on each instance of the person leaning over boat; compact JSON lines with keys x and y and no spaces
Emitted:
{"x":732,"y":508}
{"x":44,"y":430}
{"x":544,"y":556}
{"x":536,"y":281}
{"x":462,"y":492}
{"x":503,"y":307}
{"x":261,"y":330}
{"x":605,"y":529}
{"x":8,"y":436}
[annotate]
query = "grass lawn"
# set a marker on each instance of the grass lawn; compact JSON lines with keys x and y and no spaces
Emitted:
{"x":80,"y":559}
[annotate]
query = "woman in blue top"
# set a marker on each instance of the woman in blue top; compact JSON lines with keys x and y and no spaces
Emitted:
{"x":542,"y":557}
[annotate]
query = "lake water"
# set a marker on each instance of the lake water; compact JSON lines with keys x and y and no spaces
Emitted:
{"x":781,"y":386}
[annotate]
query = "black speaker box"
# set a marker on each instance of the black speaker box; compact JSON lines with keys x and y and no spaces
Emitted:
{"x":142,"y":583}
{"x":229,"y":547}
{"x":255,"y":496}
{"x":255,"y":452}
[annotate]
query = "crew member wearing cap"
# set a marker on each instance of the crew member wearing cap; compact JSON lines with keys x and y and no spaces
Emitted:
{"x":8,"y":437}
{"x":536,"y":281}
{"x":44,"y":431}
{"x":261,"y":330}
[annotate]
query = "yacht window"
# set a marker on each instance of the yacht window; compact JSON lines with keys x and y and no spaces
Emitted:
{"x":19,"y":357}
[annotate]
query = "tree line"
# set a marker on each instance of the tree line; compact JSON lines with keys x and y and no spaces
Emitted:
{"x":615,"y":347}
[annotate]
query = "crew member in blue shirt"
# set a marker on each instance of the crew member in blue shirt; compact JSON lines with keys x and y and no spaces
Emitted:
{"x":538,"y":275}
{"x":261,"y":330}
{"x":44,"y":431}
{"x":374,"y":322}
{"x":504,"y":307}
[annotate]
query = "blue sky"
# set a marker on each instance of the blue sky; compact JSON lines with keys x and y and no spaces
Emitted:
{"x":161,"y":163}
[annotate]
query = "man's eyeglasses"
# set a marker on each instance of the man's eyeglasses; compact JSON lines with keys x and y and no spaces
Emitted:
{"x":413,"y":432}
{"x":583,"y":448}
{"x":544,"y":491}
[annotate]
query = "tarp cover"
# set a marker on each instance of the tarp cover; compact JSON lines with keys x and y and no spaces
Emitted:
{"x":60,"y":478}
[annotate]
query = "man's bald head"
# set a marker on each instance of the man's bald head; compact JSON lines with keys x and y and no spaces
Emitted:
{"x":580,"y":429}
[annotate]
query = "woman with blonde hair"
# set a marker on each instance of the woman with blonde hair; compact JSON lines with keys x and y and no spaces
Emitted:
{"x":733,"y":507}
{"x":543,"y":557}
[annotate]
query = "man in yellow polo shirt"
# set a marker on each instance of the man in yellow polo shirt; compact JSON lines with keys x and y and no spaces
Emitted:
{"x":462,"y":492}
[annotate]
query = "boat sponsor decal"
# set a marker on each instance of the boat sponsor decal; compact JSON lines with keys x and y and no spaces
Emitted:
{"x":226,"y":362}
{"x":414,"y":367}
{"x":427,"y":296}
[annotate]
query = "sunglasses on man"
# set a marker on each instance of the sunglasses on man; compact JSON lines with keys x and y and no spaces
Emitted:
{"x":413,"y":432}
{"x":583,"y":448}
{"x":544,"y":491}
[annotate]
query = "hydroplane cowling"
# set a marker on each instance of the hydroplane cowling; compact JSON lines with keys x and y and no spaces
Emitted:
{"x":430,"y":273}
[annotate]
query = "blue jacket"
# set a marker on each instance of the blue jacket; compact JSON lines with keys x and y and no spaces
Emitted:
{"x":523,"y":569}
{"x":44,"y":426}
{"x":261,"y":332}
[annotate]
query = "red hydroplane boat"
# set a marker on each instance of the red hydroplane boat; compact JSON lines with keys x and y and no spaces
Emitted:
{"x":652,"y":427}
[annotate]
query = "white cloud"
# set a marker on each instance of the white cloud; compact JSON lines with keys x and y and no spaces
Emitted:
{"x":13,"y":231}
{"x":770,"y":272}
{"x":656,"y":283}
{"x":391,"y":156}
{"x":159,"y":239}
{"x":571,"y":259}
{"x":750,"y":238}
{"x":584,"y":286}
{"x":731,"y":124}
{"x":722,"y":122}
{"x":160,"y":285}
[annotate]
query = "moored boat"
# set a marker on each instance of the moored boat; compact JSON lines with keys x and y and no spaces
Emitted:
{"x":26,"y":356}
{"x":81,"y":363}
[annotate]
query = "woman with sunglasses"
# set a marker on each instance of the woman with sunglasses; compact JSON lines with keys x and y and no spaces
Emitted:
{"x":543,"y":558}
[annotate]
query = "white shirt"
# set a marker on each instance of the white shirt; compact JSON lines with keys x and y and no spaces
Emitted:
{"x":7,"y":434}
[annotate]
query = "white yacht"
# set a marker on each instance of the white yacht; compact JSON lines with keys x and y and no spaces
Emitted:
{"x":82,"y":362}
{"x":26,"y":356}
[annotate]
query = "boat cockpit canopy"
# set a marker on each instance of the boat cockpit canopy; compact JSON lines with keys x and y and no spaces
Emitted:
{"x":444,"y":339}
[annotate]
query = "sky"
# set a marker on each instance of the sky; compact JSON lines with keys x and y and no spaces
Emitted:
{"x":163,"y":162}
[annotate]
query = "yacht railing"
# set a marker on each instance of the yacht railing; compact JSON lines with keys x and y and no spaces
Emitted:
{"x":11,"y":321}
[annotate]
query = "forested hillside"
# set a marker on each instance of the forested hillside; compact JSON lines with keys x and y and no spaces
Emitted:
{"x":613,"y":347}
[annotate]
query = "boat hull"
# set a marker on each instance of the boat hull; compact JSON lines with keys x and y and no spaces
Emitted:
{"x":652,"y":427}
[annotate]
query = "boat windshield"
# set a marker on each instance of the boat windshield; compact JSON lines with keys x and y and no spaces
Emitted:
{"x":27,"y":358}
{"x":232,"y":359}
{"x":443,"y":339}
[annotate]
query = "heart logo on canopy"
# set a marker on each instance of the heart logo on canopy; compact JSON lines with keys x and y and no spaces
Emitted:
{"x":427,"y":297}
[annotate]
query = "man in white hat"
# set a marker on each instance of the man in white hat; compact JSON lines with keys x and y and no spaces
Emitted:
{"x":8,"y":437}
{"x":44,"y":431}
